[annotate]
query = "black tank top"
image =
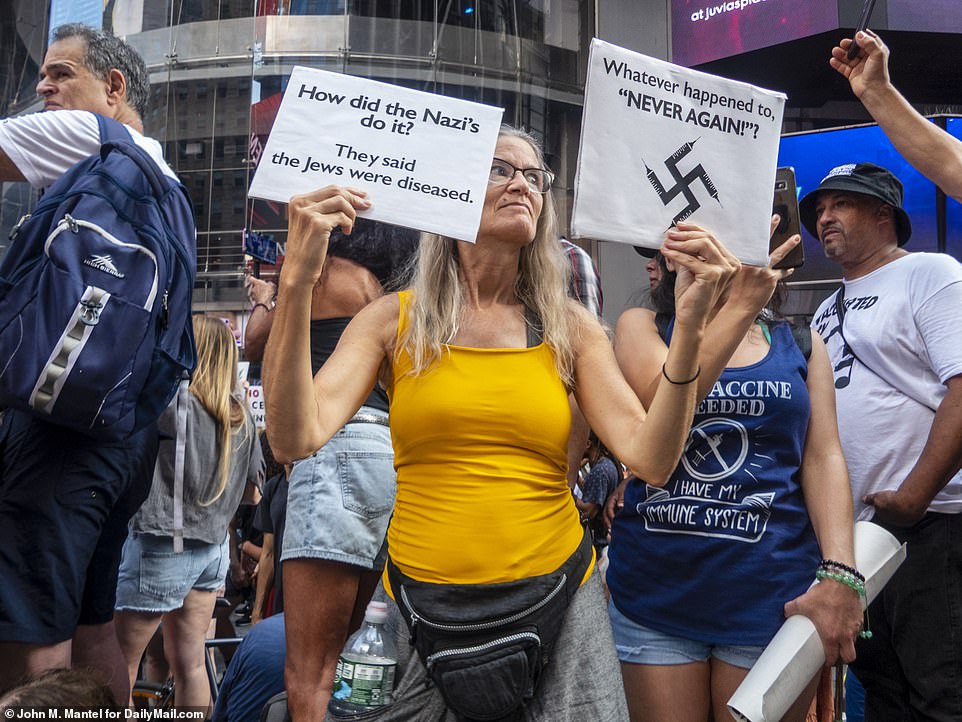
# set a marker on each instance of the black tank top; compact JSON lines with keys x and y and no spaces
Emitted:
{"x":325,"y":334}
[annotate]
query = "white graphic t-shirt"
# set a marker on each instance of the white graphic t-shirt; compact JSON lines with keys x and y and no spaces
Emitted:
{"x":904,"y":321}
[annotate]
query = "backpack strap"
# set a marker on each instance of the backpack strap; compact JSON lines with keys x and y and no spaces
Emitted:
{"x":112,"y":131}
{"x":180,"y":450}
{"x":115,"y":136}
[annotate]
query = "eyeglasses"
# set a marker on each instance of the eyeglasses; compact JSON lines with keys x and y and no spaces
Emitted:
{"x":538,"y":179}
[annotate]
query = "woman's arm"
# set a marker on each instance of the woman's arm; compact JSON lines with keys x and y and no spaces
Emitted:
{"x":265,"y":579}
{"x":641,"y":351}
{"x":258,"y":328}
{"x":834,"y":608}
{"x":303,"y":413}
{"x":651,"y":446}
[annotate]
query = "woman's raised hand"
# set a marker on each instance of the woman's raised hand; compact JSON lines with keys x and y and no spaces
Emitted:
{"x":704,"y":269}
{"x":753,"y":286}
{"x":311,"y":218}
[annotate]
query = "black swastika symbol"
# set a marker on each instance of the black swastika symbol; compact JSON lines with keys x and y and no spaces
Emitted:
{"x":683,"y":183}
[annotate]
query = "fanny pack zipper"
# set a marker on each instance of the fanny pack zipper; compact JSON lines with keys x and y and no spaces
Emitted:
{"x":478,"y":648}
{"x":415,"y":617}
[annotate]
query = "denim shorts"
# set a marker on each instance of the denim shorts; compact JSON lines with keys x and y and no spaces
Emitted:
{"x":642,"y":645}
{"x":154,"y":578}
{"x":340,"y":499}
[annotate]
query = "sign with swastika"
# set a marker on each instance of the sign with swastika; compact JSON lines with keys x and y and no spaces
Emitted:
{"x":661,"y":144}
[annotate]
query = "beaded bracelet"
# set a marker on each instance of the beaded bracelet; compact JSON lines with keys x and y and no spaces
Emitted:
{"x":826,"y":563}
{"x":680,"y":383}
{"x":842,"y":578}
{"x":851,"y":581}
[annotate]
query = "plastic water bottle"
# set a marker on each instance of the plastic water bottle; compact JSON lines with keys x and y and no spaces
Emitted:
{"x":364,"y":679}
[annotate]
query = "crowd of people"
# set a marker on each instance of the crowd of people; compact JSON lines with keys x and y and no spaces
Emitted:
{"x":429,"y":404}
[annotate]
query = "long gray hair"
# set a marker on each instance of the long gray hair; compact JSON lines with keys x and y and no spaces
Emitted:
{"x":434,"y":315}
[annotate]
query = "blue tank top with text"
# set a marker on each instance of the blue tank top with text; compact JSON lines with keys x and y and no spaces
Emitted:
{"x":715,"y":554}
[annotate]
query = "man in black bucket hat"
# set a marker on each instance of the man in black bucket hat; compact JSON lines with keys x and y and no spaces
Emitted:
{"x":865,"y":179}
{"x":892,"y":334}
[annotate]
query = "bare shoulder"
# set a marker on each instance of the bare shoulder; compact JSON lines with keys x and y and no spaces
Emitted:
{"x":379,"y":320}
{"x":383,"y":310}
{"x":583,"y":321}
{"x":636,"y":322}
{"x":637,"y":317}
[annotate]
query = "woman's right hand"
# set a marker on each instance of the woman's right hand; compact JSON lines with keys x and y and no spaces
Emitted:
{"x":311,"y":218}
{"x":704,"y":269}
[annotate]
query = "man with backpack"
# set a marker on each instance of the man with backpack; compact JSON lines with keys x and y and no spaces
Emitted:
{"x":66,"y":494}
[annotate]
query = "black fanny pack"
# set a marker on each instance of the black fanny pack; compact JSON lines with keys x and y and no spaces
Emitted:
{"x":485,"y":646}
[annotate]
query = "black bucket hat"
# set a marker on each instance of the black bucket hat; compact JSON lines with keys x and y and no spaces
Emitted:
{"x":865,"y":178}
{"x":646,"y":252}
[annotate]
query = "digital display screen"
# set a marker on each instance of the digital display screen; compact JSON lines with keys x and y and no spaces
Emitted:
{"x":939,"y":16}
{"x":813,"y":155}
{"x":953,"y":209}
{"x":706,"y":30}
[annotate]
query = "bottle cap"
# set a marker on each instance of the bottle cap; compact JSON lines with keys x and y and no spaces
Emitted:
{"x":376,"y":613}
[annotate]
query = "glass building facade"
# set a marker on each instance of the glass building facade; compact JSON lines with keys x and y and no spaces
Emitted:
{"x":218,"y":69}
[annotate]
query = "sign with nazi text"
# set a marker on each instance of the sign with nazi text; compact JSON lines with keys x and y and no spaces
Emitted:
{"x":423,"y":159}
{"x":661,"y":144}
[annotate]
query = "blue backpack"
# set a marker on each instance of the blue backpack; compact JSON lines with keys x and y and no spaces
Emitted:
{"x":95,"y":294}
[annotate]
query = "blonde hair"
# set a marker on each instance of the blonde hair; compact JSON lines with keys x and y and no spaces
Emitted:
{"x":435,"y":311}
{"x":213,"y":385}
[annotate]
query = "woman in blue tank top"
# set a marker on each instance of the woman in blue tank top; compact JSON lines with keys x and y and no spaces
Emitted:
{"x":704,"y":570}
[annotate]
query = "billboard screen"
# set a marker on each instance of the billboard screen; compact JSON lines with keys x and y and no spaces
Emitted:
{"x":706,"y":30}
{"x":953,"y":209}
{"x":937,"y":16}
{"x":813,"y":155}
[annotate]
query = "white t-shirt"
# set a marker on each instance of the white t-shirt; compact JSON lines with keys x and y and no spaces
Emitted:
{"x":903,"y":320}
{"x":45,"y":145}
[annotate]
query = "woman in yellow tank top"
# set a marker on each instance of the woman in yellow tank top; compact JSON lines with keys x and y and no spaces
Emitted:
{"x":479,"y":357}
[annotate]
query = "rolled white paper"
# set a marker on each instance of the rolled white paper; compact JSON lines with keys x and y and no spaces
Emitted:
{"x":795,"y":654}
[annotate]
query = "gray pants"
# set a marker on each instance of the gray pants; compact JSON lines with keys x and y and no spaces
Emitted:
{"x":582,"y":681}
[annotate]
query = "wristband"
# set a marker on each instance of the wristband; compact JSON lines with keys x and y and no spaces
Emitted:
{"x":830,"y":563}
{"x":680,"y":383}
{"x":260,"y":305}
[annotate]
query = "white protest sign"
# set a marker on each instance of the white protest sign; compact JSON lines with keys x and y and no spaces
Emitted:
{"x":255,"y":404}
{"x":661,"y":143}
{"x":424,"y":159}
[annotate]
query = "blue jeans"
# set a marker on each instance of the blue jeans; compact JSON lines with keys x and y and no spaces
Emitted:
{"x":911,"y":668}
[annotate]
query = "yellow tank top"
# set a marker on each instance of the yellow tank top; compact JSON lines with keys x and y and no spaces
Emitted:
{"x":480,"y":447}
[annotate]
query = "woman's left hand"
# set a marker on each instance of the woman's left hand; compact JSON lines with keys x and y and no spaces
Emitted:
{"x":836,"y":611}
{"x":753,"y":286}
{"x":704,"y":268}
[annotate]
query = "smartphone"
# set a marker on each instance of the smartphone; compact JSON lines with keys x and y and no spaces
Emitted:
{"x":863,"y":19}
{"x":786,"y":206}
